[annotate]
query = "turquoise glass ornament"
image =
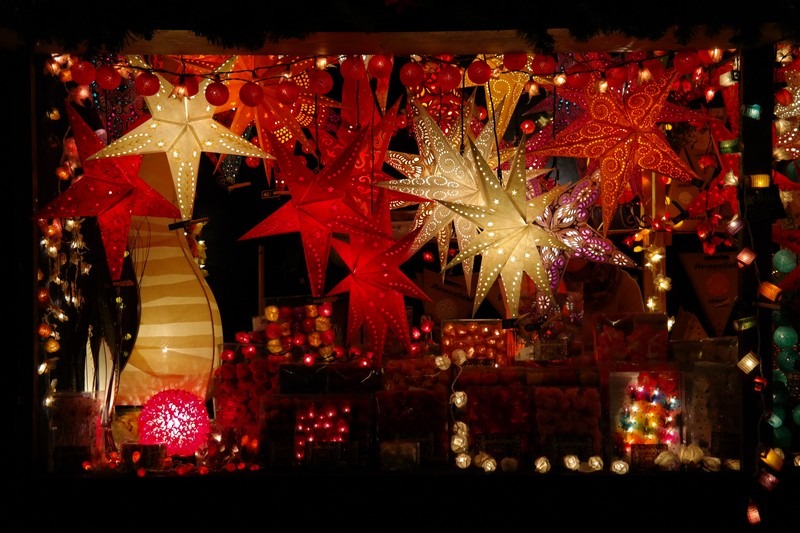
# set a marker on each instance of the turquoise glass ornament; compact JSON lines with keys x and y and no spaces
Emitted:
{"x":787,"y":360}
{"x":780,"y":392}
{"x":796,"y":414}
{"x":784,"y":260}
{"x":785,"y":336}
{"x":782,"y":437}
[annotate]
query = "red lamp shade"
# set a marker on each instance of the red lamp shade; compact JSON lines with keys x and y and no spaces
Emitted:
{"x":176,"y":418}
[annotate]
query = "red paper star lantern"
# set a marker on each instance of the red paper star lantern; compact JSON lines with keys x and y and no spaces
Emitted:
{"x":377,"y":288}
{"x":317,"y":207}
{"x":623,"y":136}
{"x":111,"y":190}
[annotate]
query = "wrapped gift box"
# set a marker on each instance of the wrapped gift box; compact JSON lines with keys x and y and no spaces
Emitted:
{"x":484,"y":341}
{"x":499,"y":420}
{"x":567,"y":422}
{"x":646,"y":415}
{"x":331,"y":430}
{"x":631,"y":338}
{"x":413,"y":417}
{"x":713,"y":395}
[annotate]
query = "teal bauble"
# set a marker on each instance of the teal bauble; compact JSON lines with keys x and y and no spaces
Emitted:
{"x":785,"y":336}
{"x":780,"y":392}
{"x":783,"y":437}
{"x":787,"y":360}
{"x":796,"y":414}
{"x":779,"y":377}
{"x":784,"y":260}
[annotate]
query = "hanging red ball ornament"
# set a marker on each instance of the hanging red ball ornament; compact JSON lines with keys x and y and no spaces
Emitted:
{"x":83,"y":72}
{"x":412,"y":75}
{"x":251,"y":94}
{"x":685,"y":61}
{"x":655,"y":66}
{"x":380,"y":66}
{"x":479,"y":72}
{"x":252,"y":161}
{"x":242,"y":337}
{"x":784,"y":96}
{"x":616,"y":76}
{"x":543,"y":64}
{"x":578,"y":77}
{"x":147,"y":84}
{"x":353,"y":68}
{"x":515,"y":61}
{"x":449,"y":77}
{"x":108,"y":77}
{"x":320,"y":81}
{"x":287,"y":92}
{"x":217,"y":93}
{"x":527,"y":126}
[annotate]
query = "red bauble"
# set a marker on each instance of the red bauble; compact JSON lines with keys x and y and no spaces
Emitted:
{"x":380,"y":66}
{"x":287,"y":92}
{"x":479,"y":72}
{"x":328,"y":336}
{"x":353,"y":68}
{"x":326,"y":309}
{"x":252,"y":161}
{"x":320,"y":81}
{"x":616,"y":76}
{"x":242,"y":337}
{"x":527,"y":126}
{"x":578,"y":77}
{"x":108,"y":77}
{"x":685,"y":61}
{"x":251,"y":94}
{"x":515,"y":61}
{"x":412,"y":75}
{"x":217,"y":93}
{"x":177,"y":418}
{"x":227,"y":355}
{"x":147,"y":84}
{"x":449,"y":77}
{"x":83,"y":72}
{"x":543,"y":64}
{"x":784,"y":96}
{"x":273,"y":331}
{"x":655,"y":66}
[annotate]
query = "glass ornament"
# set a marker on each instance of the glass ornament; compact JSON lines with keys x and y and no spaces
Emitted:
{"x":787,"y":360}
{"x":785,"y":336}
{"x":782,"y":437}
{"x":784,"y":261}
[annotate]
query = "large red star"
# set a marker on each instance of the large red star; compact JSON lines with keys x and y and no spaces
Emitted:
{"x":317,"y":207}
{"x":622,"y":134}
{"x":377,"y":288}
{"x":109,"y":189}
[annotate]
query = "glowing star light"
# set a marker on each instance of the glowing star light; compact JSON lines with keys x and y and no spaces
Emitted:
{"x":377,"y":288}
{"x":623,"y":135}
{"x":441,"y":174}
{"x":181,"y":128}
{"x":110,"y":190}
{"x":511,"y":234}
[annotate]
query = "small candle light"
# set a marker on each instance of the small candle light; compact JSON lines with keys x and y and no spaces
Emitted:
{"x":619,"y":467}
{"x":542,"y":465}
{"x":463,"y":460}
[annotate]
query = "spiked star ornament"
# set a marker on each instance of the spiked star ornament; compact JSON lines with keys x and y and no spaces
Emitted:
{"x":441,"y":173}
{"x":377,"y":288}
{"x":793,"y":85}
{"x":511,"y":234}
{"x":181,"y":129}
{"x":316,"y":208}
{"x":622,"y":134}
{"x":110,"y":190}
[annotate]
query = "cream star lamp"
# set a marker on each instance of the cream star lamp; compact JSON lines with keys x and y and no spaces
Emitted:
{"x":793,"y":85}
{"x":181,"y":129}
{"x":441,"y":173}
{"x":510,"y":236}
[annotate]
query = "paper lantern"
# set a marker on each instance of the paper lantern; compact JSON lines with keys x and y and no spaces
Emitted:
{"x":542,"y":465}
{"x":176,"y":418}
{"x":180,"y":329}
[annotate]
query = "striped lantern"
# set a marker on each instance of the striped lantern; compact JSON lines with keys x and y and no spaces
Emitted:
{"x":180,"y":328}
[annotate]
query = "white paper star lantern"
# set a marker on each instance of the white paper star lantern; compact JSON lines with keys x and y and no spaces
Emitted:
{"x":181,"y":128}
